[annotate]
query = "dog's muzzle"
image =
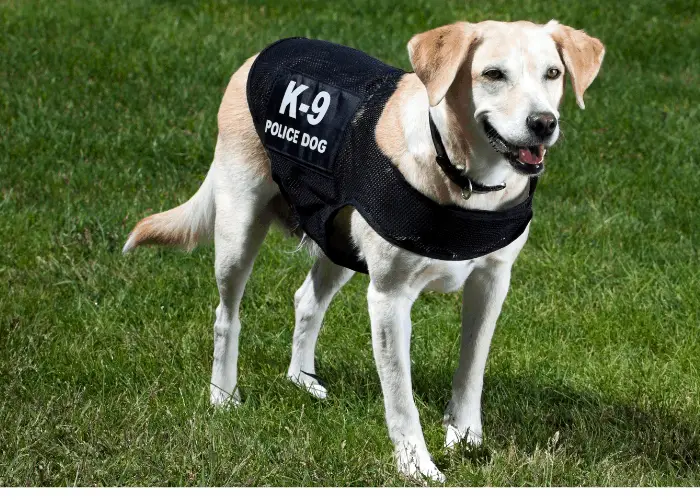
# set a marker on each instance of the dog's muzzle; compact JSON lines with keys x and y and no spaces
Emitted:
{"x":528,"y":160}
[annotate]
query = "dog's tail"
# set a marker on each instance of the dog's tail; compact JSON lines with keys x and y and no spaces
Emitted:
{"x":184,"y":226}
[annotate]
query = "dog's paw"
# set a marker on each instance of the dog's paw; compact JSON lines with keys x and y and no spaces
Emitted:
{"x":417,"y":464}
{"x":310,"y":383}
{"x":455,"y":436}
{"x":222,"y":399}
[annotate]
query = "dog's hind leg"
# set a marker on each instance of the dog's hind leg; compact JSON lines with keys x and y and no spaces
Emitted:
{"x":243,"y":217}
{"x":311,"y":301}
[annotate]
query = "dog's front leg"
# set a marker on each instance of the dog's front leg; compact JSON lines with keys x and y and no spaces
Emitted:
{"x":484,"y":293}
{"x":390,"y":315}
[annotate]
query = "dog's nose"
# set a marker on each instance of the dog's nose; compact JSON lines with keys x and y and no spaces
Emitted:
{"x":542,"y":124}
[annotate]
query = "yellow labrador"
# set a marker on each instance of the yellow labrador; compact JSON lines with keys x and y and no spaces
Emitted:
{"x":493,"y":91}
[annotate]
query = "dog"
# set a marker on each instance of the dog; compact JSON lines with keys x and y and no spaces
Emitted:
{"x":493,"y":91}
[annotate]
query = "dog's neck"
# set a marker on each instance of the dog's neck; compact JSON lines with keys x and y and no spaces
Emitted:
{"x":463,"y":145}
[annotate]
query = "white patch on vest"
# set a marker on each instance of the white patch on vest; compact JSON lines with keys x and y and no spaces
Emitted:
{"x":289,"y":106}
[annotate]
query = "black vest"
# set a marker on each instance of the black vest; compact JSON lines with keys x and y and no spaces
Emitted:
{"x":315,"y":106}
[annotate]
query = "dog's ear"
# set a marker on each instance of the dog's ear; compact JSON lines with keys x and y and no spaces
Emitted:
{"x":582,"y":56}
{"x":437,"y":55}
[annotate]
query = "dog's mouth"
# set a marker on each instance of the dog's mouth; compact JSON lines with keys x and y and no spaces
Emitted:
{"x":528,"y":160}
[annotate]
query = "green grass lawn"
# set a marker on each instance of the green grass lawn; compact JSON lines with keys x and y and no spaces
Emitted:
{"x":108,"y":113}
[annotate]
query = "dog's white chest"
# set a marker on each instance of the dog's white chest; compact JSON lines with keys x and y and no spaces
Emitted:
{"x":446,"y":277}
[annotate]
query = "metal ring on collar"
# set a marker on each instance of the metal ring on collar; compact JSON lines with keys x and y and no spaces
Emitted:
{"x":467,"y":192}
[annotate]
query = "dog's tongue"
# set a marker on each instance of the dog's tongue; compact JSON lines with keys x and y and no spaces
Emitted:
{"x":532,"y":156}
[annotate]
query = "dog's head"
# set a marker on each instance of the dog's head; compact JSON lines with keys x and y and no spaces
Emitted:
{"x":505,"y":81}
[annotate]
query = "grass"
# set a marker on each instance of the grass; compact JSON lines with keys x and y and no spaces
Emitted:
{"x":107,"y":113}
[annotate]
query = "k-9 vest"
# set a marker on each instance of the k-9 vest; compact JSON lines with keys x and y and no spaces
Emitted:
{"x":315,"y":106}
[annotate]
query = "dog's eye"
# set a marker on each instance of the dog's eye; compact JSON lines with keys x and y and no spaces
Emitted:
{"x":553,"y":73}
{"x":494,"y":74}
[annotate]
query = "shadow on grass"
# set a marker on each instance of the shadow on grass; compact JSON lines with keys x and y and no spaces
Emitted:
{"x":528,"y":412}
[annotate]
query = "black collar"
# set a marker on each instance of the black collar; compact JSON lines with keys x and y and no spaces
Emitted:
{"x":456,"y":173}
